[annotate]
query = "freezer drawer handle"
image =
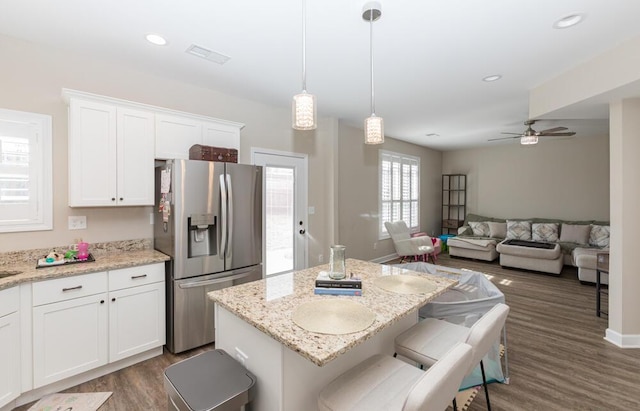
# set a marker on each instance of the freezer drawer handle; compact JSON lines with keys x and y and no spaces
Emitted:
{"x":135,"y":277}
{"x":77,"y":287}
{"x":214,"y":281}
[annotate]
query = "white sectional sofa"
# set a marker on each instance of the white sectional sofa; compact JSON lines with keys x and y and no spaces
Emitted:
{"x":578,"y":243}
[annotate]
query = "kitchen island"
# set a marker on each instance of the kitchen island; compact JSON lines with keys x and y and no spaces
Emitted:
{"x":254,"y":325}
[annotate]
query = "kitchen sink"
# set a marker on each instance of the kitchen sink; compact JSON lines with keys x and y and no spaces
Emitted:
{"x":8,"y":273}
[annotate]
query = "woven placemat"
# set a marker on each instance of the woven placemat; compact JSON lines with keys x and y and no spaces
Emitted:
{"x":405,"y":284}
{"x":333,"y":316}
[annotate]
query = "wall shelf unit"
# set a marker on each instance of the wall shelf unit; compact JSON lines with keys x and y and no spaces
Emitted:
{"x":454,"y":201}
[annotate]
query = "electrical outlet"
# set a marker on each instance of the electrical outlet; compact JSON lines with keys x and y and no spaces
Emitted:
{"x":375,"y":245}
{"x":320,"y":258}
{"x":77,"y":222}
{"x":151,"y":218}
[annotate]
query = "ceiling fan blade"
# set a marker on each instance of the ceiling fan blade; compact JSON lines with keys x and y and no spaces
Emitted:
{"x":551,"y":130}
{"x":569,"y":133}
{"x":503,"y":138}
{"x":515,"y":134}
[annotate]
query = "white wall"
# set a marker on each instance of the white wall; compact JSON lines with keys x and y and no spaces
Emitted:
{"x":358,"y":192}
{"x":562,"y":178}
{"x":31,"y":79}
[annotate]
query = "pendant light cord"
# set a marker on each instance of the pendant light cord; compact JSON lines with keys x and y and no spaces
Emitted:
{"x":304,"y":46}
{"x":373,"y":104}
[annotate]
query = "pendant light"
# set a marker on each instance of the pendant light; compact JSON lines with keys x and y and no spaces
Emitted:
{"x":304,"y":104}
{"x":373,"y":125}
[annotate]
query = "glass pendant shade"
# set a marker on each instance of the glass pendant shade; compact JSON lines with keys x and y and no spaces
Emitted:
{"x":373,"y":130}
{"x":304,"y":111}
{"x":528,"y":140}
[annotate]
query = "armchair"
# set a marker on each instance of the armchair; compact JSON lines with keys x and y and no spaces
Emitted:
{"x":407,"y":246}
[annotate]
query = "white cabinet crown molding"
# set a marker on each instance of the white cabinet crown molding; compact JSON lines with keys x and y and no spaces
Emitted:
{"x":67,"y":94}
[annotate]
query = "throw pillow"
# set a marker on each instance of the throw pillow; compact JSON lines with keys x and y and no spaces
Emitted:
{"x":480,"y":229}
{"x":575,"y":233}
{"x":497,"y":230}
{"x":599,"y":236}
{"x":546,"y":232}
{"x":519,"y":230}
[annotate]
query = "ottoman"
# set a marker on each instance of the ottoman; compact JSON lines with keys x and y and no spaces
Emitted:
{"x":529,"y":255}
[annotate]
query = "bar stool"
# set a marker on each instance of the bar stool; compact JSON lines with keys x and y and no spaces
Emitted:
{"x":427,"y":341}
{"x":382,"y":382}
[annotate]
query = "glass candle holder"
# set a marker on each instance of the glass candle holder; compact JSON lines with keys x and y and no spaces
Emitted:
{"x":337,"y":269}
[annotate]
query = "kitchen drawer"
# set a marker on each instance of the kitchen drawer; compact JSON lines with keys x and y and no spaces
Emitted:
{"x":452,"y":223}
{"x":134,"y":276}
{"x":9,"y":301}
{"x":67,"y":288}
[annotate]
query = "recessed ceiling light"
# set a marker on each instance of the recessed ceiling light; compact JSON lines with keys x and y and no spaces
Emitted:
{"x":568,"y":21}
{"x":432,"y":135}
{"x":156,"y":39}
{"x":494,"y":77}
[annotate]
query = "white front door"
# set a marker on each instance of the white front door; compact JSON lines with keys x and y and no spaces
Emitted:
{"x":284,"y":208}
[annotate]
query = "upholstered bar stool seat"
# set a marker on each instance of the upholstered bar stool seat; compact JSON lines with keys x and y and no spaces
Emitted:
{"x":385,"y":383}
{"x":425,"y":342}
{"x":429,"y":340}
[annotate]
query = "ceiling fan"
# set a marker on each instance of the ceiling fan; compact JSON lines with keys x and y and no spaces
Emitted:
{"x":530,"y":136}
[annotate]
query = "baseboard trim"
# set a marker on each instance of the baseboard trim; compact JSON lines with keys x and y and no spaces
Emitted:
{"x":622,"y":340}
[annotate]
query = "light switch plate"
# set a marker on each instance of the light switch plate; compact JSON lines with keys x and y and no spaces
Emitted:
{"x":77,"y":222}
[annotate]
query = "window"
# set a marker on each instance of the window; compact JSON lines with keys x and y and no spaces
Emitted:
{"x":399,"y":190}
{"x":25,"y":172}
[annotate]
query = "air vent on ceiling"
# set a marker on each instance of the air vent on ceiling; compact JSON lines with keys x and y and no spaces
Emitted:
{"x":207,"y":54}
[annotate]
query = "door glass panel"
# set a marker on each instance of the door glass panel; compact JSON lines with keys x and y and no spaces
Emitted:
{"x":280,"y":222}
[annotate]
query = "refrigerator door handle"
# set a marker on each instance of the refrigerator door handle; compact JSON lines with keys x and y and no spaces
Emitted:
{"x":224,"y":219}
{"x":195,"y":284}
{"x":229,"y":213}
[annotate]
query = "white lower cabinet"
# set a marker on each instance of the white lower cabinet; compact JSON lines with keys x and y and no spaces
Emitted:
{"x":136,"y":320}
{"x":9,"y":346}
{"x":70,"y":337}
{"x":87,"y":321}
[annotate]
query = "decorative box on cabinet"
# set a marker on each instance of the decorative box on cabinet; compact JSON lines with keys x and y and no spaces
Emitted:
{"x":111,"y":155}
{"x":9,"y":346}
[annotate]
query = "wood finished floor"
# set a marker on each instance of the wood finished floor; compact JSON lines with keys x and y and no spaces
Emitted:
{"x":558,"y":359}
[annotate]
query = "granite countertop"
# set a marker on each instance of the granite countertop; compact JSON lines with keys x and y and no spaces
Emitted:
{"x":269,"y":305}
{"x":103,"y":262}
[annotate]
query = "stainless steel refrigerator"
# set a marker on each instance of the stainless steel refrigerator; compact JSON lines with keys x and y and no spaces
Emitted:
{"x":209,"y":220}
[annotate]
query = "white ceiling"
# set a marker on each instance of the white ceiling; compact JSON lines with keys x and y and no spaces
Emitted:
{"x":430,"y":56}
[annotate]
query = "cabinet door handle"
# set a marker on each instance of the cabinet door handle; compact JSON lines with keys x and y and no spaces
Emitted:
{"x":113,"y":199}
{"x":77,"y":287}
{"x":113,"y":299}
{"x":134,"y":277}
{"x":101,"y":301}
{"x":121,"y":199}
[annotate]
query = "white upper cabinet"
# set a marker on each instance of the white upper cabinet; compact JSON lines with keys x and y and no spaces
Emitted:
{"x":176,"y":134}
{"x":113,"y":144}
{"x":111,"y":152}
{"x":135,"y":158}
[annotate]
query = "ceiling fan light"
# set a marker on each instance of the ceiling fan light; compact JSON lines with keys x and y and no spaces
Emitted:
{"x":304,"y":111}
{"x":373,"y":130}
{"x":528,"y":140}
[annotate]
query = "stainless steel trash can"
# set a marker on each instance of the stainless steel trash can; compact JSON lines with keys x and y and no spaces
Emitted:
{"x":208,"y":381}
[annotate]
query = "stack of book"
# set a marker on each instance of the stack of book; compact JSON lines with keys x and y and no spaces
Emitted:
{"x":327,"y":285}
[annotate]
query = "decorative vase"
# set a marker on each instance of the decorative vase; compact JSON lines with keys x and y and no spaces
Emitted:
{"x":337,"y":269}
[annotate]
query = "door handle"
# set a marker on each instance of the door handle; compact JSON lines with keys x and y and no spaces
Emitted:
{"x":303,"y":231}
{"x":215,"y":280}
